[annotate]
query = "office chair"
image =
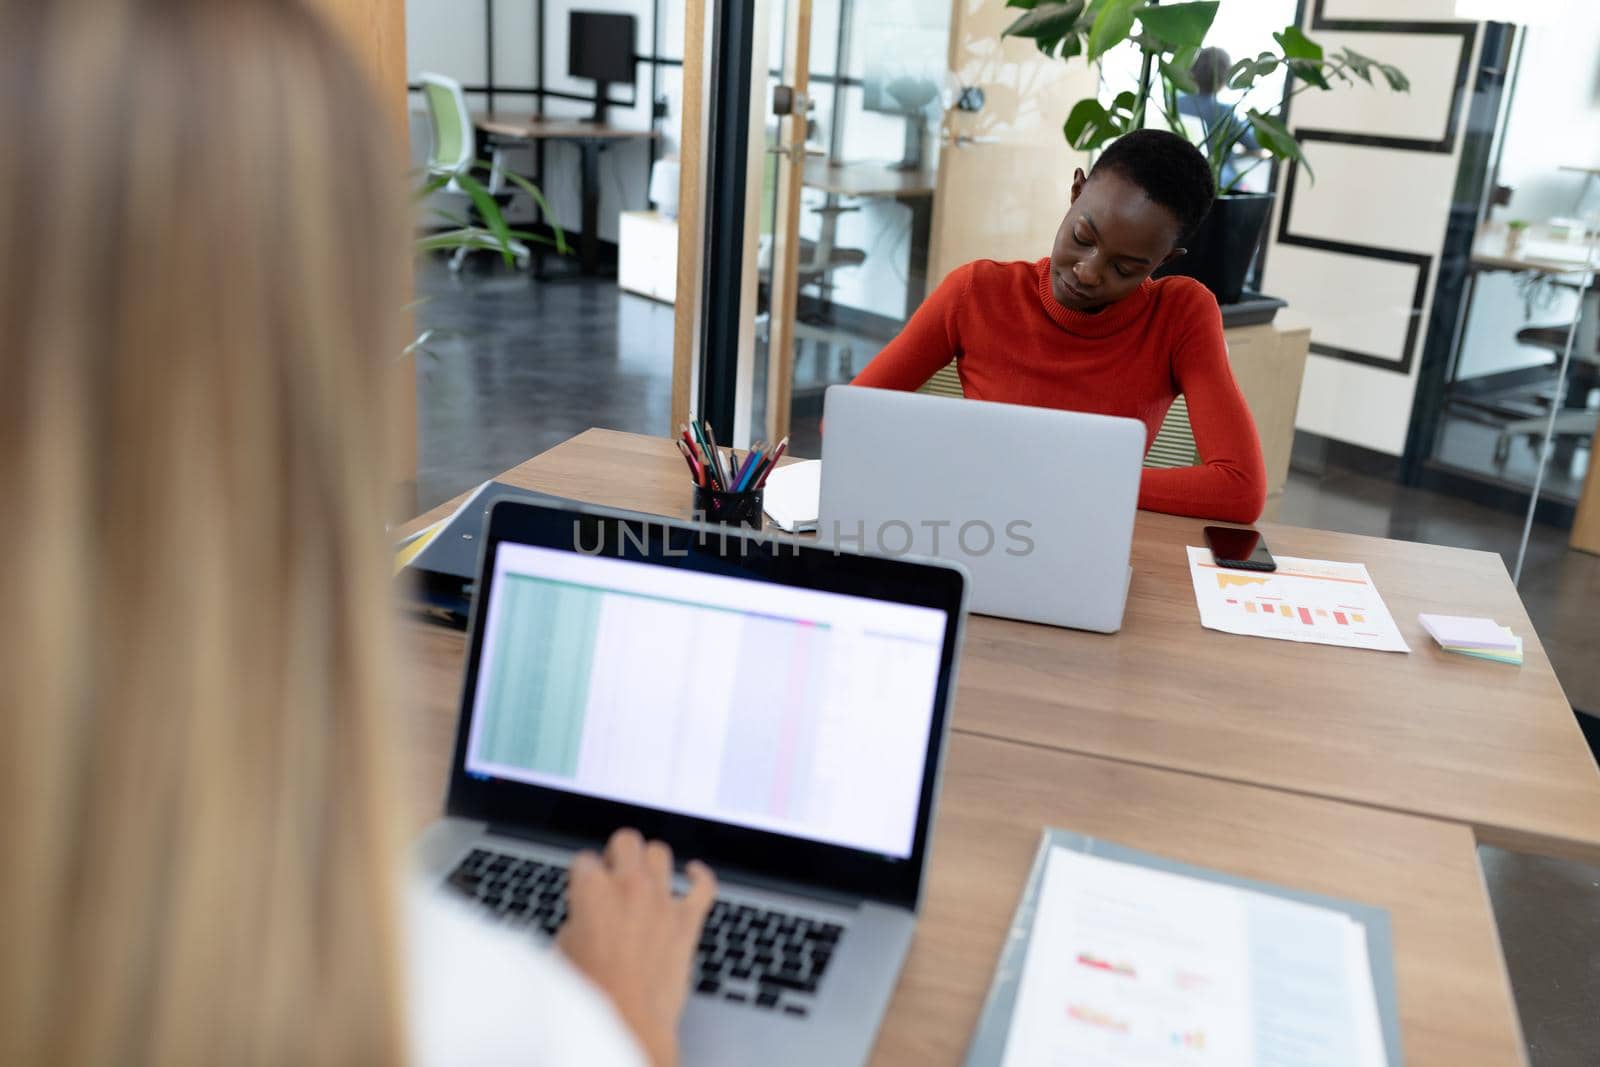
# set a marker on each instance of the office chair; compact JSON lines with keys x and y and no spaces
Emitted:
{"x":820,"y":258}
{"x":1577,"y":421}
{"x":452,"y":150}
{"x":1173,"y":447}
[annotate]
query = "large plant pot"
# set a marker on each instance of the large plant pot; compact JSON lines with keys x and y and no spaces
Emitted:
{"x":1221,"y":251}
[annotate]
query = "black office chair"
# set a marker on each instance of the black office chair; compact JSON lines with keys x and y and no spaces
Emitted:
{"x":1575,"y":422}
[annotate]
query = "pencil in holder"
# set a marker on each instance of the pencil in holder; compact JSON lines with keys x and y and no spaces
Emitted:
{"x":731,"y":509}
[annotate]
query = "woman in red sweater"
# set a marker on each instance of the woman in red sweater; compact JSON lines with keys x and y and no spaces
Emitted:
{"x":1087,"y":329}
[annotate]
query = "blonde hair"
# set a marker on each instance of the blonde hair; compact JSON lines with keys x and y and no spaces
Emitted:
{"x":201,"y":270}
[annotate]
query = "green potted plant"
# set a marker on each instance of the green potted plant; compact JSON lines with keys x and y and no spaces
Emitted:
{"x":1170,"y":36}
{"x":458,"y":232}
{"x":1516,"y":231}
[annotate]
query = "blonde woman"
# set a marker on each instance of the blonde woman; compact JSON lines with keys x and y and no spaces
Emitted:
{"x":202,"y":251}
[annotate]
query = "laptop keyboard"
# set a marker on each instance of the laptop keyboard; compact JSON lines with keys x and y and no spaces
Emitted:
{"x":747,"y":955}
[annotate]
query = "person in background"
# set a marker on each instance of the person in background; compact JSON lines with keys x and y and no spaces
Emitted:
{"x":1210,"y":71}
{"x":205,"y":240}
{"x":1087,"y":329}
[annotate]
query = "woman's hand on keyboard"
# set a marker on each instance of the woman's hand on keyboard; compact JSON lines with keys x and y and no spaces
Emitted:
{"x":627,"y":931}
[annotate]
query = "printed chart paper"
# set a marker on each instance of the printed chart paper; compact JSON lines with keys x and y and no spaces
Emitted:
{"x":1309,"y":600}
{"x":1132,"y":966}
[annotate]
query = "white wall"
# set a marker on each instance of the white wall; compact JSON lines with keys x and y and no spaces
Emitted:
{"x":447,"y":37}
{"x":1378,"y":197}
{"x":1555,"y":116}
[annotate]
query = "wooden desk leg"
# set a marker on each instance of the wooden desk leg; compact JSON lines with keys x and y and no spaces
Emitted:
{"x":1586,"y":526}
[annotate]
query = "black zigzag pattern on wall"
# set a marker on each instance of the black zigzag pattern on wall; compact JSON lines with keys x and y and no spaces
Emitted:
{"x":1446,"y":144}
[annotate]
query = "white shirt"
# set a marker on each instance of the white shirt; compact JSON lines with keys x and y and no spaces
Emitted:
{"x":486,"y":995}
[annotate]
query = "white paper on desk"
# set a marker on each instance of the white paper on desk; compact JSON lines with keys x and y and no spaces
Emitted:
{"x":793,"y":495}
{"x":1132,"y":967}
{"x":1311,"y":600}
{"x":1547,"y":250}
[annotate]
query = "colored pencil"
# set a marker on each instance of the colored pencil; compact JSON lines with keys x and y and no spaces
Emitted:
{"x":703,"y":453}
{"x":716,"y":457}
{"x":763,"y":455}
{"x":694,"y":468}
{"x":772,"y":463}
{"x":745,"y":468}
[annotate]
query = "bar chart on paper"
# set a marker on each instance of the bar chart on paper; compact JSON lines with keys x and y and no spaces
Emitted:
{"x":1315,"y":601}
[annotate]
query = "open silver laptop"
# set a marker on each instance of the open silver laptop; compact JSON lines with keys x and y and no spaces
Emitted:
{"x":778,"y":711}
{"x":1038,"y":504}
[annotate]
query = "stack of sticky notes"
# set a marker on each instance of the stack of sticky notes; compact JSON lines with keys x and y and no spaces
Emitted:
{"x":1469,"y":636}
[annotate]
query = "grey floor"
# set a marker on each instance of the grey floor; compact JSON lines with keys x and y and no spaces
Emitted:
{"x":1469,"y":445}
{"x":514,"y":367}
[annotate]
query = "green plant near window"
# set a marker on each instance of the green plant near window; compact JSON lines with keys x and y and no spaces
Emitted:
{"x":494,"y":234}
{"x":1170,"y":36}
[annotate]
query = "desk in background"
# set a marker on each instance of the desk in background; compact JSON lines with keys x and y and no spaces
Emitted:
{"x":591,"y":139}
{"x":866,"y":181}
{"x":1575,"y":263}
{"x":1493,"y":747}
{"x":1539,"y":254}
{"x":1454,"y":997}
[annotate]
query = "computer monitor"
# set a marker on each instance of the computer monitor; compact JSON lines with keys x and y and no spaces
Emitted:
{"x":600,"y":46}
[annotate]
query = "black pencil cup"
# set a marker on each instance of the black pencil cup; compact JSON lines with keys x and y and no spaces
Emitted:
{"x":732,"y":509}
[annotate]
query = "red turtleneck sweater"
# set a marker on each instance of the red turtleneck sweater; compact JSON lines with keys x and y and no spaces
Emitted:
{"x":1012,"y":342}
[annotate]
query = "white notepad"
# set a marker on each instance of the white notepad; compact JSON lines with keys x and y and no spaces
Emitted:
{"x":1465,"y":631}
{"x":793,"y":496}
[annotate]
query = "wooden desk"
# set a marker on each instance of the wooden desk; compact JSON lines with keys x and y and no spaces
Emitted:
{"x":866,"y":179}
{"x":1479,"y":743}
{"x":591,"y":139}
{"x":1455,"y":1001}
{"x":1489,"y":252}
{"x":913,"y":188}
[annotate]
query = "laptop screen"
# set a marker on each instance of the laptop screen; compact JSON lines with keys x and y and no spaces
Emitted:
{"x":791,"y":710}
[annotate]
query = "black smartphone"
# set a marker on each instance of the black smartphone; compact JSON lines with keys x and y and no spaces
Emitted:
{"x":1244,"y":549}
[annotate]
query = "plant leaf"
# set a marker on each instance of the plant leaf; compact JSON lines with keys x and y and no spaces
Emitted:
{"x":1241,"y":75}
{"x":1252,"y":69}
{"x":1021,"y":3}
{"x":1296,"y":45}
{"x":490,"y":212}
{"x":1309,"y":70}
{"x":1111,"y":27}
{"x":452,"y":239}
{"x":1089,"y":125}
{"x":1177,"y":69}
{"x":1179,"y":24}
{"x":1182,"y":79}
{"x":544,"y":209}
{"x":1050,"y":21}
{"x":434,"y":183}
{"x":1360,"y":65}
{"x":1395,"y":77}
{"x":1276,"y":139}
